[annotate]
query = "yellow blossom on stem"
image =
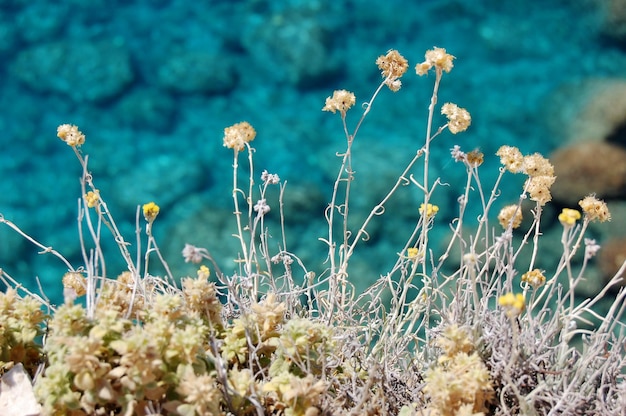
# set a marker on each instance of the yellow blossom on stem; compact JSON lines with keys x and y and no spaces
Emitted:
{"x":413,"y":253}
{"x":428,"y":210}
{"x":513,"y":304}
{"x":92,"y":198}
{"x":203,"y":272}
{"x":150,"y":211}
{"x":534,"y":278}
{"x":568,"y":217}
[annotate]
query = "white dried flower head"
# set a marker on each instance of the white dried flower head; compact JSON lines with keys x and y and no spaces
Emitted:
{"x":591,"y":248}
{"x":261,"y":207}
{"x":193,"y":254}
{"x":269,"y":178}
{"x":457,"y":154}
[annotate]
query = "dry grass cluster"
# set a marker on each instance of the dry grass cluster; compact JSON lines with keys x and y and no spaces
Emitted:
{"x":469,"y":327}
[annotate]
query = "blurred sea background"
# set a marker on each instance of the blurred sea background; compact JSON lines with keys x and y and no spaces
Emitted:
{"x":153,"y":83}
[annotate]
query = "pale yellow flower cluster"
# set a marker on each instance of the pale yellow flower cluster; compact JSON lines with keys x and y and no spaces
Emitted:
{"x":460,"y":382}
{"x":237,"y":135}
{"x":538,"y":187}
{"x":540,"y":177}
{"x":341,"y":101}
{"x":392,"y":67}
{"x":511,"y":158}
{"x":454,"y":340}
{"x":70,"y":134}
{"x":436,"y":58}
{"x":510,"y":215}
{"x":595,"y":209}
{"x":201,"y":299}
{"x":459,"y":119}
{"x":539,"y":170}
{"x":75,"y":282}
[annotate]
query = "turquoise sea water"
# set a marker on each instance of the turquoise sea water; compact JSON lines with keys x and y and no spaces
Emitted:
{"x":152,"y":84}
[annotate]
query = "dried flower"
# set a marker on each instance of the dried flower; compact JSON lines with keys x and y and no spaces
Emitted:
{"x":595,"y":209}
{"x":193,"y":254}
{"x":475,"y":158}
{"x":459,"y":119}
{"x":535,"y":278}
{"x":269,"y":178}
{"x":70,"y":134}
{"x":537,"y":165}
{"x":237,"y":135}
{"x":538,"y":187}
{"x":437,"y":58}
{"x":511,"y":158}
{"x":341,"y":101}
{"x":261,"y":207}
{"x":76,"y":282}
{"x":457,"y":154}
{"x":568,"y":217}
{"x":591,"y":248}
{"x":510,"y":215}
{"x":392,"y":66}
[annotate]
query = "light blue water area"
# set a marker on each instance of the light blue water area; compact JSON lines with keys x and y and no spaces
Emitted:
{"x":153,"y":83}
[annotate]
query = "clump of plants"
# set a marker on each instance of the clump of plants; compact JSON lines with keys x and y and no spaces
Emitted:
{"x":469,"y":327}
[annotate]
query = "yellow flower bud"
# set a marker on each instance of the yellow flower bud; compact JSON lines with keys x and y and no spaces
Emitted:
{"x":150,"y":211}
